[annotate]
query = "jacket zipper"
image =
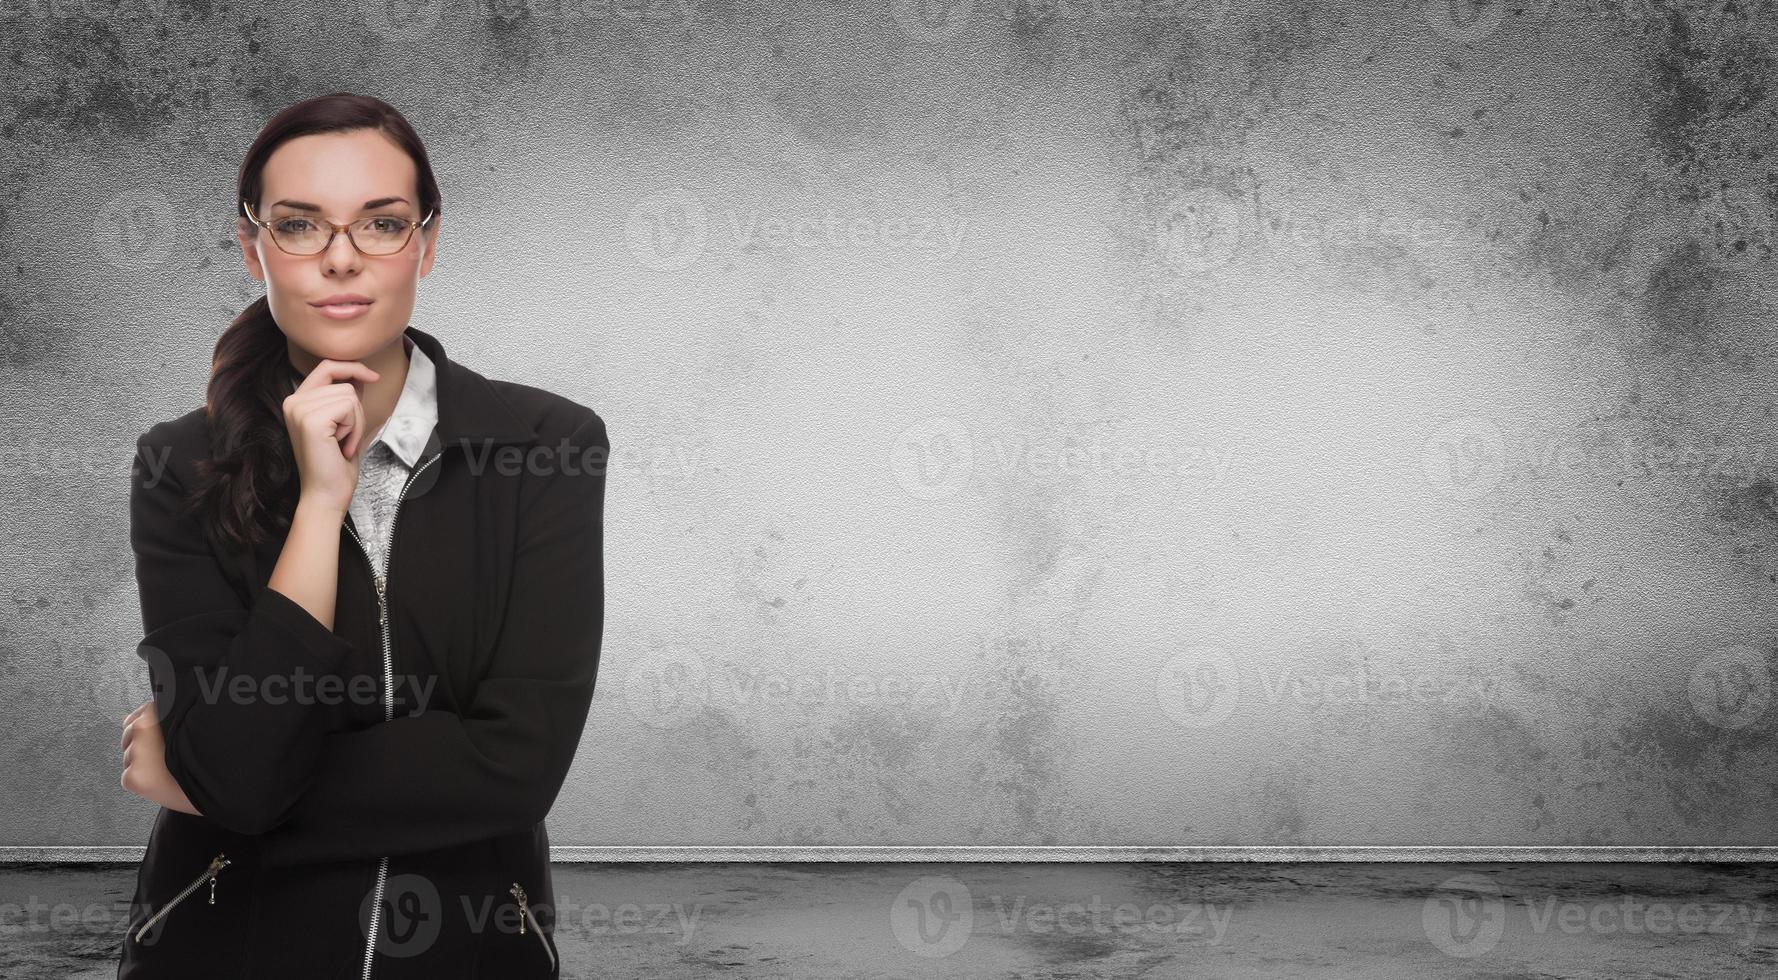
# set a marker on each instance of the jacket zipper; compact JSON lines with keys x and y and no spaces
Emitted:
{"x":518,"y":892}
{"x":217,"y":863}
{"x":381,"y":578}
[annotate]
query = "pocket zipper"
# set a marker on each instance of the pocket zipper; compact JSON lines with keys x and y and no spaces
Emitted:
{"x":518,"y":892}
{"x":217,"y":863}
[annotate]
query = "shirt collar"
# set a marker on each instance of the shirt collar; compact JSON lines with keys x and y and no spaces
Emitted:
{"x":416,"y":410}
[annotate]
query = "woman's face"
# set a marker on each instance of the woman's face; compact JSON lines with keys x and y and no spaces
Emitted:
{"x":339,"y":177}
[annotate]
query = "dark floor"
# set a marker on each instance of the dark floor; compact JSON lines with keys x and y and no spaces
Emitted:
{"x":1368,"y":921}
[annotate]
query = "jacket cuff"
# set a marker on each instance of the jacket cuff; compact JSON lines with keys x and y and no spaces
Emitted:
{"x":326,"y":645}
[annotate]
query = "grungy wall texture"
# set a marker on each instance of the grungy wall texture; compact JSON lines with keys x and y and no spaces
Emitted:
{"x":1033,"y":423}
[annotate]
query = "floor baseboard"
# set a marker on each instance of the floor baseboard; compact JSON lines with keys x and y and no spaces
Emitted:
{"x":1038,"y":854}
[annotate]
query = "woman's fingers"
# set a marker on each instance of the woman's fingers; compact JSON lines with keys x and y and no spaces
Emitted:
{"x":357,"y":433}
{"x":321,"y":391}
{"x":129,"y":726}
{"x":334,"y":372}
{"x":335,"y":413}
{"x":326,"y":421}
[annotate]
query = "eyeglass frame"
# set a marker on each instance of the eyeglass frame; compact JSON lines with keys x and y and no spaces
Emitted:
{"x":334,"y":230}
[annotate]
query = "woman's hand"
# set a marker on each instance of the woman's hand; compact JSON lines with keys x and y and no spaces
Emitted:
{"x":145,"y":762}
{"x":325,"y":419}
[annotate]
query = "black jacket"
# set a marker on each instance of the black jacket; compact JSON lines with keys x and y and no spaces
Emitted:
{"x":275,"y":726}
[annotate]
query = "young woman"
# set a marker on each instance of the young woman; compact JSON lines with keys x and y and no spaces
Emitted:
{"x":372,"y":586}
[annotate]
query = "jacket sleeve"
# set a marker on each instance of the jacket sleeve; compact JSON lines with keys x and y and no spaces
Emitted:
{"x":229,"y":679}
{"x":439,"y":779}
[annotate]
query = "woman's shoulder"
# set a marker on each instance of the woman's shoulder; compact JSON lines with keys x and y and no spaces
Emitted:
{"x":555,"y":417}
{"x":193,"y":426}
{"x":175,"y":442}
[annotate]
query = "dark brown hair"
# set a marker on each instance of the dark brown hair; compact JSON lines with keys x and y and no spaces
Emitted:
{"x":250,"y":479}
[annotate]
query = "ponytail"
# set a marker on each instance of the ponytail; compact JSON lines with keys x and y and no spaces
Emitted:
{"x":251,"y":466}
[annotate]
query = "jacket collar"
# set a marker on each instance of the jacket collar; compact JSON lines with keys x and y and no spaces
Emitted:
{"x":470,"y":412}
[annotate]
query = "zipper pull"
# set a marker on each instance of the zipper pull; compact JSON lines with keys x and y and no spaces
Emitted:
{"x":518,"y":892}
{"x":217,"y":863}
{"x":382,"y":602}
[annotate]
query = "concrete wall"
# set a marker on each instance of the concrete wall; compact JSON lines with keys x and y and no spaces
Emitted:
{"x":1085,"y":423}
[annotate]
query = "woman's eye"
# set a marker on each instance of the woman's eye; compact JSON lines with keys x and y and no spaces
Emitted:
{"x":292,"y":226}
{"x":389,"y":225}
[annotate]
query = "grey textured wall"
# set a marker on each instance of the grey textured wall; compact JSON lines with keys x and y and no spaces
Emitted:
{"x":1080,"y":423}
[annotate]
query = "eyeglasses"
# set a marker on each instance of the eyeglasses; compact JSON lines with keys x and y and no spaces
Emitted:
{"x":300,"y":234}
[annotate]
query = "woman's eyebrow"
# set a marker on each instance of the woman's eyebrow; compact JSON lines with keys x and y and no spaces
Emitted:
{"x":306,"y":206}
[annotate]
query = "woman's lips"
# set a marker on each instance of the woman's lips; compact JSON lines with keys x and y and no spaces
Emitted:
{"x":342,"y":311}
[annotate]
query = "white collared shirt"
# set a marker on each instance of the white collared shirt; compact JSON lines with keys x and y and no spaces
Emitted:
{"x":393,"y":453}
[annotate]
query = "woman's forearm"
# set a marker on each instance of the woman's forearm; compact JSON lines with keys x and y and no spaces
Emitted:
{"x":308,"y":568}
